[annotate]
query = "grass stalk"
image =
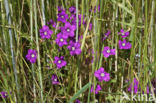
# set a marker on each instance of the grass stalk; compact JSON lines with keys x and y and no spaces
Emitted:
{"x":77,"y":21}
{"x":6,"y":4}
{"x":38,"y":52}
{"x":43,"y":13}
{"x":31,"y":33}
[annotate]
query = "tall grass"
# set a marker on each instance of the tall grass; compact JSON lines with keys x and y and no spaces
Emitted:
{"x":20,"y":22}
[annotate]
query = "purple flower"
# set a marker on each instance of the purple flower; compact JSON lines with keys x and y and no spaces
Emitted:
{"x":3,"y":94}
{"x":51,"y":22}
{"x":124,"y":45}
{"x":72,"y":9}
{"x":153,"y":81}
{"x":135,"y":85}
{"x":31,"y":55}
{"x":61,"y":39}
{"x":60,"y":62}
{"x":123,"y":33}
{"x":147,"y":89}
{"x":102,"y":75}
{"x":54,"y":79}
{"x":60,"y":8}
{"x":107,"y":52}
{"x":98,"y":88}
{"x":77,"y":101}
{"x":74,"y":22}
{"x":62,"y":17}
{"x":45,"y":32}
{"x":68,"y":29}
{"x":74,"y":48}
{"x":106,"y":35}
{"x":90,"y":26}
{"x":97,"y":9}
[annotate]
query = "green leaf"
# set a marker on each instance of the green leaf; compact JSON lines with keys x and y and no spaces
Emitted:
{"x":79,"y":92}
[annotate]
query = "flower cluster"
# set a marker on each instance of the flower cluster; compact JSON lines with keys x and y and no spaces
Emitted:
{"x":134,"y":87}
{"x":124,"y":44}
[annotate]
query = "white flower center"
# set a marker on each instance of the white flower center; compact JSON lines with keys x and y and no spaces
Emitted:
{"x":123,"y":44}
{"x":73,"y":48}
{"x":32,"y":55}
{"x":102,"y":74}
{"x":59,"y":61}
{"x":45,"y":33}
{"x":55,"y":79}
{"x":62,"y":16}
{"x":68,"y":30}
{"x":61,"y":40}
{"x":108,"y":51}
{"x":123,"y":34}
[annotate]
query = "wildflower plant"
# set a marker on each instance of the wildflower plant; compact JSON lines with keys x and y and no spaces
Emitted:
{"x":76,"y":51}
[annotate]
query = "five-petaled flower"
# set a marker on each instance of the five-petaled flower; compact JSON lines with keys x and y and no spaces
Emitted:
{"x":74,"y":48}
{"x":45,"y":32}
{"x":3,"y":94}
{"x":102,"y":75}
{"x":54,"y":79}
{"x":107,"y":52}
{"x":62,"y":17}
{"x":31,"y":55}
{"x":60,"y":62}
{"x":124,"y":44}
{"x":68,"y":29}
{"x":61,"y":39}
{"x":123,"y":33}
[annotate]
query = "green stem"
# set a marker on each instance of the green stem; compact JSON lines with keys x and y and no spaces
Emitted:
{"x":31,"y":33}
{"x":38,"y":52}
{"x":77,"y":20}
{"x":11,"y":44}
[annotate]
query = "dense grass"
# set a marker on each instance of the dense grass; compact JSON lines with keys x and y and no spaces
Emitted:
{"x":20,"y":22}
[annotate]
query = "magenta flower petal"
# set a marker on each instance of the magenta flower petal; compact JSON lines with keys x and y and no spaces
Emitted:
{"x":62,"y":17}
{"x":45,"y":32}
{"x":68,"y":29}
{"x":60,"y":62}
{"x":74,"y":48}
{"x":98,"y":88}
{"x":54,"y":79}
{"x":107,"y":52}
{"x":124,"y":44}
{"x":123,"y":34}
{"x":102,"y":75}
{"x":31,"y":55}
{"x":61,"y":39}
{"x":3,"y":94}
